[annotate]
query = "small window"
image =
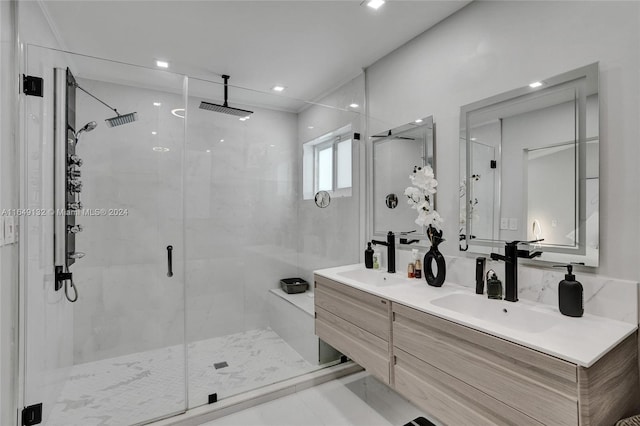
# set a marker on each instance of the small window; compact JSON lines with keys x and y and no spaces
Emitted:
{"x":327,"y":164}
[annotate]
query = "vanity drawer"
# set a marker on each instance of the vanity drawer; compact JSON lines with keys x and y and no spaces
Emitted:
{"x":536,"y":384}
{"x":452,"y":401}
{"x":365,"y":310}
{"x":370,"y":351}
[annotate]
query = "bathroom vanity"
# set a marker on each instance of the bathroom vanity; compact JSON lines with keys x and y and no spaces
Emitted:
{"x":467,"y":360}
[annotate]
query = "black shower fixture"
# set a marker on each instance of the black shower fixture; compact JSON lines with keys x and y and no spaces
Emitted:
{"x":225,"y":108}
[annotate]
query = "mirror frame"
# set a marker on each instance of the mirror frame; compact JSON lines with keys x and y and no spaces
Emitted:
{"x":420,"y":232}
{"x":590,"y":74}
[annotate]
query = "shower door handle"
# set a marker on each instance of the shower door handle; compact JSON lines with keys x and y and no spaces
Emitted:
{"x":169,"y":261}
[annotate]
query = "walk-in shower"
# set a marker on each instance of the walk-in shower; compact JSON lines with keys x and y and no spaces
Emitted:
{"x":141,"y":344}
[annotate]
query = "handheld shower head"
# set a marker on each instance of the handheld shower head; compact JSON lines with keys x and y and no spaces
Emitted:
{"x":87,"y":128}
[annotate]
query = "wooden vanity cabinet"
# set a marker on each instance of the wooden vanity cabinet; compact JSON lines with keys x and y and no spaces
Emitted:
{"x":463,"y":376}
{"x":356,"y":323}
{"x":505,"y":383}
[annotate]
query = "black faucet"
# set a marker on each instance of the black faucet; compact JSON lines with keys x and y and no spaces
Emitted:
{"x":511,"y":255}
{"x":391,"y":251}
{"x":405,"y":240}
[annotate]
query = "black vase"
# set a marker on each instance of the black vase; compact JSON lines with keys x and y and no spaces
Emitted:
{"x":434,"y":255}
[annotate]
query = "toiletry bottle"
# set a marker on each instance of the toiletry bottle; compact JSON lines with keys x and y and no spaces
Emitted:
{"x":480,"y":263}
{"x":411,"y":271}
{"x":376,"y":259}
{"x":494,"y":285}
{"x":570,"y":295}
{"x":418,"y":269}
{"x":368,"y":257}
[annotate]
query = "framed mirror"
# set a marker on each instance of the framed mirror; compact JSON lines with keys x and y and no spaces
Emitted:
{"x":395,"y":154}
{"x":529,"y":169}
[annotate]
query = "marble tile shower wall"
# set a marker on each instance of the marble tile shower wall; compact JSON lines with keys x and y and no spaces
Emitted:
{"x":241,"y":212}
{"x":126,"y":302}
{"x":240,"y":235}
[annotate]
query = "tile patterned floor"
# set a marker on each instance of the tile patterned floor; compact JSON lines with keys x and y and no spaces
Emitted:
{"x":137,"y":387}
{"x":354,"y":400}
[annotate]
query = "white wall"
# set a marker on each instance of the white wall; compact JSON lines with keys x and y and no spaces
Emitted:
{"x":8,"y":200}
{"x":492,"y":47}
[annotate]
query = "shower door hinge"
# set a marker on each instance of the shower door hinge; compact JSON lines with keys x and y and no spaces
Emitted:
{"x":493,"y":164}
{"x":32,"y":415}
{"x":213,"y":398}
{"x":32,"y":86}
{"x":356,"y":136}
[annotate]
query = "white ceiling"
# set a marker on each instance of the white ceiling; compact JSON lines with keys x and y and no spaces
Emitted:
{"x":311,"y":47}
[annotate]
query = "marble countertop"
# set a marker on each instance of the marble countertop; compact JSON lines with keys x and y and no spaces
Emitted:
{"x":582,"y":341}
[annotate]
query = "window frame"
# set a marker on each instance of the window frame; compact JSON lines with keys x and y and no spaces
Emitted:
{"x":329,"y":140}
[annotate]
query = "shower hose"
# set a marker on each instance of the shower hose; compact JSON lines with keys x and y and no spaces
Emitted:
{"x":68,"y":284}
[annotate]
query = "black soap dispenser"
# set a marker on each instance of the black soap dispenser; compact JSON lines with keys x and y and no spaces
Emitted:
{"x":570,"y":295}
{"x":368,"y":257}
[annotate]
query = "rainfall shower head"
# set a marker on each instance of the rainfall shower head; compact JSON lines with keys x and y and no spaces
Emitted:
{"x":119,"y":120}
{"x":225,"y":108}
{"x":87,"y":128}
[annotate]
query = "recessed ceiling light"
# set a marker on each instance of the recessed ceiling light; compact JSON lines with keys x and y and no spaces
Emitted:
{"x":310,"y":127}
{"x":278,"y":88}
{"x":221,"y":140}
{"x":243,"y":119}
{"x":208,"y":150}
{"x":157,"y":104}
{"x":535,"y":84}
{"x":154,"y":133}
{"x":419,"y":120}
{"x":178,"y":112}
{"x":271,"y":145}
{"x":160,"y":149}
{"x":375,"y":4}
{"x":474,"y":139}
{"x":162,"y":64}
{"x":354,"y":105}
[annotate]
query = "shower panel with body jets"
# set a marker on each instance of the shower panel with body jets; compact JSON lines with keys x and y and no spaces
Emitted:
{"x":68,"y":185}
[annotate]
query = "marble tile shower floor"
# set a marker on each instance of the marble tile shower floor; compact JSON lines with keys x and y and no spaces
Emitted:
{"x":141,"y":386}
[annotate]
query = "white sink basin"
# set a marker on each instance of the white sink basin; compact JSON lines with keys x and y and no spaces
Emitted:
{"x":372,"y":277}
{"x":506,"y":314}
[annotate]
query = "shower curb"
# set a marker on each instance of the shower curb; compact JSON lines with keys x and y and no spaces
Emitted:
{"x":207,"y":413}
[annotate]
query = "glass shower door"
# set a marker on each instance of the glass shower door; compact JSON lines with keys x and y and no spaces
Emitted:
{"x":117,"y":354}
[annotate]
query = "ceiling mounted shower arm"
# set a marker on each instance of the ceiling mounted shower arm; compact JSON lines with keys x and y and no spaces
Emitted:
{"x":99,"y":100}
{"x":225,"y":108}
